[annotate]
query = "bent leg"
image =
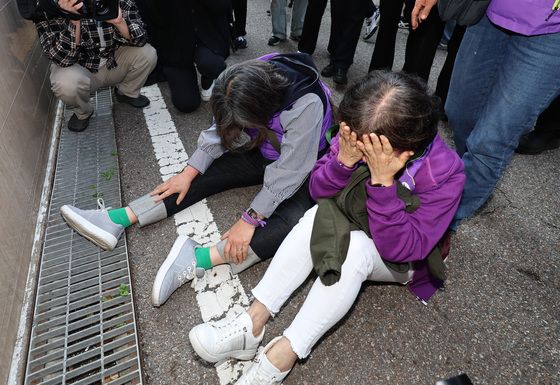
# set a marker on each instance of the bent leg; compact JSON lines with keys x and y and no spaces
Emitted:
{"x":183,"y":84}
{"x":326,"y":305}
{"x":72,"y":85}
{"x":290,"y":266}
{"x":134,"y":66}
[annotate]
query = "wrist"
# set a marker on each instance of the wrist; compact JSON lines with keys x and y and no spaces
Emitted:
{"x":251,"y":217}
{"x":345,"y":162}
{"x":190,"y":172}
{"x":381,"y":182}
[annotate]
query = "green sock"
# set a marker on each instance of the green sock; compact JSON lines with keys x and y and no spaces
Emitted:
{"x":202,"y":255}
{"x":119,"y":217}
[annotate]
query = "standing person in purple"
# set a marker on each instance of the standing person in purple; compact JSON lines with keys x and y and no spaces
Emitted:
{"x":270,"y":120}
{"x":390,"y":142}
{"x":505,"y":75}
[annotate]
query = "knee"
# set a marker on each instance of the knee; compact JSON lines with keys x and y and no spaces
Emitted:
{"x":150,"y":56}
{"x":184,"y":102}
{"x":358,"y":258}
{"x":68,"y":82}
{"x":145,"y":57}
{"x":209,"y":64}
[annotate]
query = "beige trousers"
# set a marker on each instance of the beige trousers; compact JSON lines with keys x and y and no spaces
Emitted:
{"x":74,"y":84}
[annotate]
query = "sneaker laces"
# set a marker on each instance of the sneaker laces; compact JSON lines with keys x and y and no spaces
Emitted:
{"x":255,"y":377}
{"x":235,"y":329}
{"x":101,"y":205}
{"x":187,"y":274}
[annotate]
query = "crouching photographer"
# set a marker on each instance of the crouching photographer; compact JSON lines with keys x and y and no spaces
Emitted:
{"x":94,"y":44}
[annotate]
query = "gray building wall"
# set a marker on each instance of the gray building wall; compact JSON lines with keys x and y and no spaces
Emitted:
{"x":25,"y":125}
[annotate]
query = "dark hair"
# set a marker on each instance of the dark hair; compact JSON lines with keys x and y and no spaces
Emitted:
{"x":247,"y":95}
{"x":394,"y":104}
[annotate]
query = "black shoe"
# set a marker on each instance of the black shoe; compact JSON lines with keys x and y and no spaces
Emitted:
{"x":78,"y":125}
{"x":340,"y":76}
{"x":240,"y":42}
{"x":539,"y":140}
{"x":140,"y":102}
{"x":274,"y":41}
{"x":295,"y":38}
{"x":328,"y":71}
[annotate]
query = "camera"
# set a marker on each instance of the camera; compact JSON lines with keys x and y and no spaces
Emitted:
{"x":99,"y":10}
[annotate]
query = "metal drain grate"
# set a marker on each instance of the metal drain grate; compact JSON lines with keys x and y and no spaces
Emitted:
{"x":84,"y":329}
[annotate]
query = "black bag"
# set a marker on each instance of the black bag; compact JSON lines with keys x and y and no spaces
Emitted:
{"x":465,"y":12}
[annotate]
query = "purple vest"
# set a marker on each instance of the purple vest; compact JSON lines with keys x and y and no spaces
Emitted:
{"x":266,"y":148}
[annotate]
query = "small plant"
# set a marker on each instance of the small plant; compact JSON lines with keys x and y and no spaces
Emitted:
{"x":97,"y":194}
{"x":107,"y":175}
{"x":123,"y":290}
{"x":114,"y":153}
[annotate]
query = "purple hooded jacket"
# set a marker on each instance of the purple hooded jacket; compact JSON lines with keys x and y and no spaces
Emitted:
{"x":400,"y":236}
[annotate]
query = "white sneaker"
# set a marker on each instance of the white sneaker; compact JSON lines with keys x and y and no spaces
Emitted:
{"x":371,"y":24}
{"x":178,"y":268}
{"x":227,"y":338}
{"x":263,"y":372}
{"x":207,"y":94}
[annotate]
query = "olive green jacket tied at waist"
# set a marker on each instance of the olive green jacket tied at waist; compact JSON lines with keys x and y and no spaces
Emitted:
{"x":345,"y":212}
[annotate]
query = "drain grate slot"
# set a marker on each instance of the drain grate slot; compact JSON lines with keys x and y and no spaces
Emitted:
{"x":84,"y":328}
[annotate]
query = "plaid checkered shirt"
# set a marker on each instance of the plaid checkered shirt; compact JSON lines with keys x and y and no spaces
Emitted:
{"x":57,"y":37}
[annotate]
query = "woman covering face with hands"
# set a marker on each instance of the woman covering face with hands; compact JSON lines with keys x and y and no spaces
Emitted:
{"x":386,"y":192}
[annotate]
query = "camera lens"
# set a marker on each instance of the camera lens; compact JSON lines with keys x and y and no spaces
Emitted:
{"x":101,"y":8}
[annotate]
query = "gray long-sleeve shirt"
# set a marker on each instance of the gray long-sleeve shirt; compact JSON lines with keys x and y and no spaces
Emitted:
{"x":298,"y":153}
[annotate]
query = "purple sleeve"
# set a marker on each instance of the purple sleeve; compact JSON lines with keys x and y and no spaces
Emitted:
{"x":405,"y":237}
{"x":329,"y":176}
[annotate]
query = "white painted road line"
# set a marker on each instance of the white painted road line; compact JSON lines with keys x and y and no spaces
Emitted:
{"x":219,"y":294}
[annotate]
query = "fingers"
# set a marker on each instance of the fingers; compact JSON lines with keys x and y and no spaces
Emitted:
{"x":344,"y":131}
{"x":181,"y":196}
{"x":225,"y":235}
{"x":414,"y":15}
{"x":405,"y":156}
{"x":159,"y":189}
{"x":164,"y":195}
{"x":387,"y":148}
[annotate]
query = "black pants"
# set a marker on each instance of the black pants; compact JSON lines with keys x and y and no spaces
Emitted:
{"x":240,"y":17}
{"x":347,"y":20}
{"x":183,"y":81}
{"x":347,"y":17}
{"x":311,"y":25}
{"x":421,"y":44}
{"x":445,"y":75}
{"x":234,"y":170}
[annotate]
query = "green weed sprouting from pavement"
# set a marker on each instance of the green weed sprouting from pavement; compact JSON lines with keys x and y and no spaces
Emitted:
{"x":123,"y":290}
{"x":107,"y":175}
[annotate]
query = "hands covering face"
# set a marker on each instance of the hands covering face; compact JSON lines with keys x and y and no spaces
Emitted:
{"x":376,"y":151}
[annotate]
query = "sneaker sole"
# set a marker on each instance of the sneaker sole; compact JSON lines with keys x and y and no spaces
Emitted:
{"x":88,"y":230}
{"x":164,"y":268}
{"x":243,"y":355}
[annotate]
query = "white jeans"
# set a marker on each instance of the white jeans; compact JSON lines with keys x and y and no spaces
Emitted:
{"x":324,"y":305}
